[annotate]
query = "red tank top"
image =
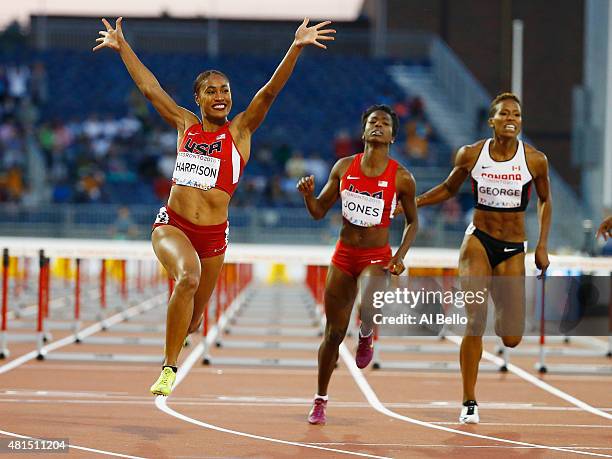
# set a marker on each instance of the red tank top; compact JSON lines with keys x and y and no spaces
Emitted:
{"x":368,"y":201}
{"x":208,"y":160}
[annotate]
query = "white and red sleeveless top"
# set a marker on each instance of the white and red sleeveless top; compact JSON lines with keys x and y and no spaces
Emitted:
{"x":368,"y":201}
{"x":208,"y":160}
{"x":501,"y":186}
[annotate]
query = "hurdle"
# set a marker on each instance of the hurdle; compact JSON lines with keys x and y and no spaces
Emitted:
{"x":256,"y":306}
{"x":92,"y":252}
{"x":4,"y":352}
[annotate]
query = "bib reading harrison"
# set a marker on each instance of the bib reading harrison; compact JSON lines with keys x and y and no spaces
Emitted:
{"x":190,"y":233}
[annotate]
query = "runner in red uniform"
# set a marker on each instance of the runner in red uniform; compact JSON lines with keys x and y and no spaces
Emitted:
{"x":190,"y":232}
{"x":369,"y":185}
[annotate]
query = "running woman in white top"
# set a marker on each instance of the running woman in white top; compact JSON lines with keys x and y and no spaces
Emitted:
{"x":502,"y":170}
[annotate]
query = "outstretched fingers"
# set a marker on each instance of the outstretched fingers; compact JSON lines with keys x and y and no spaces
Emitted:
{"x":109,"y":28}
{"x":321,"y":24}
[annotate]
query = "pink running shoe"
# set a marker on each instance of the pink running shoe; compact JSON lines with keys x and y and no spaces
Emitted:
{"x":365,"y":350}
{"x":317,"y":413}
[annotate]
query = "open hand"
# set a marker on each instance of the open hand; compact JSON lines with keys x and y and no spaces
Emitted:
{"x":605,"y":229}
{"x":111,"y":38}
{"x":306,"y":185}
{"x":305,"y":35}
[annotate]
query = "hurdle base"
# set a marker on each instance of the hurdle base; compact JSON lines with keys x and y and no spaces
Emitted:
{"x":255,"y":362}
{"x":4,"y":354}
{"x":541,"y":368}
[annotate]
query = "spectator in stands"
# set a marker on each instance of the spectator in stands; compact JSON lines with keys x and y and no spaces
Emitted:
{"x":402,"y":108}
{"x":295,"y":167}
{"x":124,"y":226}
{"x":39,"y":91}
{"x":451,"y":213}
{"x":3,"y":85}
{"x":418,"y":132}
{"x":274,"y":191}
{"x":315,"y":165}
{"x":343,"y":144}
{"x":417,"y":107}
{"x":18,"y":77}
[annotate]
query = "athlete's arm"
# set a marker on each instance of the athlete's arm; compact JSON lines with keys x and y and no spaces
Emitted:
{"x":177,"y":117}
{"x":464,"y":161}
{"x":605,"y":229}
{"x":406,"y":188}
{"x":538,"y":165}
{"x":319,"y":206}
{"x":255,"y":113}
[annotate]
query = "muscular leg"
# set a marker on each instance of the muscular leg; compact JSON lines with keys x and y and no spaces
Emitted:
{"x":179,"y":258}
{"x":474,"y":268}
{"x":371,"y":278}
{"x":340,"y":291}
{"x":211,"y":267}
{"x":508,"y":293}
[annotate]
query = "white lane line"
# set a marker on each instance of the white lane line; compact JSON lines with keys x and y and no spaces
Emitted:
{"x":539,"y":383}
{"x":142,"y":307}
{"x":119,"y":317}
{"x":418,"y":445}
{"x":373,"y":400}
{"x":160,"y":401}
{"x":83,"y":448}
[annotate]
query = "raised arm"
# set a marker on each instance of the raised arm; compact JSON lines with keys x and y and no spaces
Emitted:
{"x":406,"y":188}
{"x":539,"y":168}
{"x":319,"y":206}
{"x":177,"y":117}
{"x":464,"y":161}
{"x":255,"y":113}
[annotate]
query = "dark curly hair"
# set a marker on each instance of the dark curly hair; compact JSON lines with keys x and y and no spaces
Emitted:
{"x":382,"y":108}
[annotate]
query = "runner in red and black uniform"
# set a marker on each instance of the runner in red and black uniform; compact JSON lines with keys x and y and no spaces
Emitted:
{"x":190,"y":232}
{"x":369,"y":184}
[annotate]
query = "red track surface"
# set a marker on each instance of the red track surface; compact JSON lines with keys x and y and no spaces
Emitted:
{"x":107,"y":407}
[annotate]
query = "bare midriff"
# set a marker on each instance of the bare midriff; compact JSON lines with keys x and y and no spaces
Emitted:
{"x":358,"y":236}
{"x":200,"y":207}
{"x":506,"y":226}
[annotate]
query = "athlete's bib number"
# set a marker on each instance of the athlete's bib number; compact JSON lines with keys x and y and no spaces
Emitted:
{"x":361,"y":210}
{"x":199,"y":171}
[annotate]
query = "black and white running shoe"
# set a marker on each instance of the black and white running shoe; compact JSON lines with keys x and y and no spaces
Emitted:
{"x":469,"y":413}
